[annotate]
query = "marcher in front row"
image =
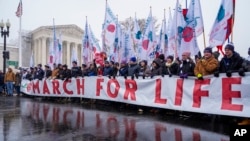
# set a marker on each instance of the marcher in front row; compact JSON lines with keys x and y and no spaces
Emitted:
{"x":206,"y":65}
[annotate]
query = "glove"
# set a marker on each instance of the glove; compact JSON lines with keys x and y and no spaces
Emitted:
{"x":241,"y":72}
{"x":133,"y":77}
{"x":136,"y":76}
{"x":184,"y":76}
{"x":162,"y":75}
{"x":152,"y":76}
{"x":125,"y":76}
{"x":229,"y":73}
{"x":109,"y":76}
{"x":216,"y":74}
{"x":170,"y":75}
{"x":143,"y":77}
{"x":200,"y":77}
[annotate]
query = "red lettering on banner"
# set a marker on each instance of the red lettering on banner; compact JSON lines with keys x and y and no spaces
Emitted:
{"x":65,"y":115}
{"x":130,"y":131}
{"x":117,"y":87}
{"x":65,"y":87}
{"x":80,"y":86}
{"x":131,"y":87}
{"x":196,"y":136}
{"x":228,"y":94}
{"x":55,"y":115}
{"x":158,"y":129}
{"x":55,"y":85}
{"x":113,"y":127}
{"x":45,"y":112}
{"x":198,"y":93}
{"x":178,"y":135}
{"x":99,"y":86}
{"x":179,"y":92}
{"x":79,"y":119}
{"x":158,"y":98}
{"x":36,"y":86}
{"x":45,"y":88}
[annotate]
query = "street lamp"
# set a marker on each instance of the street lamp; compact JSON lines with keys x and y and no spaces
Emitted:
{"x":4,"y":34}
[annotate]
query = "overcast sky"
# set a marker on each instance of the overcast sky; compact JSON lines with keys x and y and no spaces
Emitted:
{"x":38,"y":13}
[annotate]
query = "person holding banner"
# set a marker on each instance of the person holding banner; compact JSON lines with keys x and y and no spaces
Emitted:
{"x":187,"y":66}
{"x":206,"y":65}
{"x":133,"y":69}
{"x":231,"y":62}
{"x":171,"y":66}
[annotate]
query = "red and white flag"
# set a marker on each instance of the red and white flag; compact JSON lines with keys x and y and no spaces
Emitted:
{"x":19,"y":11}
{"x":223,"y":24}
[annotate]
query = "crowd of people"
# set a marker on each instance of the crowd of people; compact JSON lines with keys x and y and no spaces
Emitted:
{"x":209,"y":64}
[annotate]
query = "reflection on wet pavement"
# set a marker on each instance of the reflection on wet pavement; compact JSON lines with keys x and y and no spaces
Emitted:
{"x":26,"y":119}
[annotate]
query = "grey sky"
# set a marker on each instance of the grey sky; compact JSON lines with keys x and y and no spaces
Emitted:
{"x":41,"y":12}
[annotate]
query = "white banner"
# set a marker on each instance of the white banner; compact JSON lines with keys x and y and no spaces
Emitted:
{"x":111,"y":125}
{"x":222,"y":95}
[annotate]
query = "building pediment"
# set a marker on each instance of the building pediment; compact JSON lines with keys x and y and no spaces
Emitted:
{"x":66,"y":30}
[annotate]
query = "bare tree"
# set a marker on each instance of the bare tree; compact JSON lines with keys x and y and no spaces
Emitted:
{"x":129,"y":24}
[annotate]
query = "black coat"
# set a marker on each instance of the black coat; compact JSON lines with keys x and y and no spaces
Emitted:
{"x":232,"y":64}
{"x":172,"y":69}
{"x":187,"y":67}
{"x":76,"y":71}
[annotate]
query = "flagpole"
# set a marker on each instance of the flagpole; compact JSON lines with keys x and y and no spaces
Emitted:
{"x":232,"y":21}
{"x":20,"y":41}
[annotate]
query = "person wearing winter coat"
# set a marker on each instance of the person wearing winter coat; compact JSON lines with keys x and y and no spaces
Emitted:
{"x":172,"y":67}
{"x":123,"y":70}
{"x":156,"y":67}
{"x":187,"y":66}
{"x":206,"y":65}
{"x":18,"y":80}
{"x":144,"y":69}
{"x":107,"y":70}
{"x":231,"y":62}
{"x":133,"y":69}
{"x":47,"y":72}
{"x":9,"y":79}
{"x":75,"y":70}
{"x":66,"y":73}
{"x":40,"y":72}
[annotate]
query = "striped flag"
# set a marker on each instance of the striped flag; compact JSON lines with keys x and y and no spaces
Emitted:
{"x":19,"y":11}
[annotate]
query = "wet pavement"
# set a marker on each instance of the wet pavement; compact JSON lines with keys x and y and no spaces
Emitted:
{"x":34,"y":119}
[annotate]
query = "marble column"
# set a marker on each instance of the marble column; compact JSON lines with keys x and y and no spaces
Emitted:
{"x":43,"y":51}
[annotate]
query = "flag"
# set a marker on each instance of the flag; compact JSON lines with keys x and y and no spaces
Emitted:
{"x":51,"y":58}
{"x":32,"y":59}
{"x":148,"y":41}
{"x":117,"y":43}
{"x":55,"y":44}
{"x":162,"y":45}
{"x":86,"y":45}
{"x":109,"y":29}
{"x":93,"y":42}
{"x":19,"y":11}
{"x":59,"y":50}
{"x":194,"y":27}
{"x":175,"y":32}
{"x":223,"y":24}
{"x":137,"y":38}
{"x":128,"y":50}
